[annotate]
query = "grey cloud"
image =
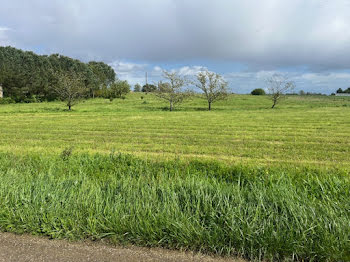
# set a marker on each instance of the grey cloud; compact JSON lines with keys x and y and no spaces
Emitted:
{"x":262,"y":34}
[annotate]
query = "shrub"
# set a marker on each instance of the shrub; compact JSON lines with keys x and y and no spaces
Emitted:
{"x":149,"y":88}
{"x":258,"y":92}
{"x":7,"y":100}
{"x":31,"y":99}
{"x":117,"y":90}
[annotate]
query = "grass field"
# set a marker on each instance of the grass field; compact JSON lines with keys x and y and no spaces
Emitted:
{"x":241,"y":180}
{"x":302,"y":130}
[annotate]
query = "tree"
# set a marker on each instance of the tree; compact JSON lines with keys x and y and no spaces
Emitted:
{"x":258,"y":92}
{"x":28,"y":77}
{"x":171,"y":91}
{"x":213,"y":86}
{"x":70,"y":88}
{"x":339,"y":91}
{"x":137,"y":88}
{"x":278,"y":85}
{"x":104,"y":76}
{"x":118,"y":89}
{"x":149,"y":88}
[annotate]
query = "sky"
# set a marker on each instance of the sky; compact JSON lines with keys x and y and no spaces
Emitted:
{"x":246,"y":41}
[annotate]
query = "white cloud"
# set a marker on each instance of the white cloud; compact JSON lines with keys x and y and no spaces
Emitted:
{"x":3,"y":28}
{"x":244,"y":82}
{"x":239,"y":82}
{"x":157,"y":69}
{"x":326,"y":77}
{"x":190,"y":70}
{"x":123,"y":67}
{"x":135,"y":73}
{"x":4,"y":38}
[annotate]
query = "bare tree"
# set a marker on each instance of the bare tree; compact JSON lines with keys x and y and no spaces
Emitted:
{"x":213,"y":86}
{"x":172,"y":90}
{"x":278,"y":85}
{"x":70,"y":88}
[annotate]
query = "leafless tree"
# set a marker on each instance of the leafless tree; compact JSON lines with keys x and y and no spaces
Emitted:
{"x":278,"y":85}
{"x":70,"y":88}
{"x":172,"y":90}
{"x":213,"y":86}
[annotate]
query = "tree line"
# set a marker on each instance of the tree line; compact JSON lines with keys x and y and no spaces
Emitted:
{"x":341,"y":91}
{"x":212,"y":86}
{"x":28,"y":77}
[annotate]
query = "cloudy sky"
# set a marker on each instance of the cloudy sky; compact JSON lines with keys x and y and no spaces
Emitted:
{"x":244,"y":40}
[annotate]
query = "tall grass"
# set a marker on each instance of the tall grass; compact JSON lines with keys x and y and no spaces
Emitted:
{"x":257,"y":213}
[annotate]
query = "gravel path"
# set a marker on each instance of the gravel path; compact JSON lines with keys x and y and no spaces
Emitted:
{"x":18,"y":248}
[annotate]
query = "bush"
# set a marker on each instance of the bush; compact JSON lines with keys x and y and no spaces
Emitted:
{"x":117,"y":90}
{"x":32,"y":99}
{"x":258,"y":92}
{"x":149,"y":88}
{"x":7,"y":100}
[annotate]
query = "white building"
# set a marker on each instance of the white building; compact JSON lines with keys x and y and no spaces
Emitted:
{"x":342,"y":94}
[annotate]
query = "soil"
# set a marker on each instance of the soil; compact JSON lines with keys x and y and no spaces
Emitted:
{"x":31,"y":248}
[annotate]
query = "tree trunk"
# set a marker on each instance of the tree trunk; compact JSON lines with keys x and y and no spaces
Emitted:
{"x":69,"y":107}
{"x":171,"y":106}
{"x":209,"y":106}
{"x":275,"y":100}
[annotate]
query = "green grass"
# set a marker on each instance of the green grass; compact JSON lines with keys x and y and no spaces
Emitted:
{"x":241,"y":180}
{"x":257,"y":213}
{"x":243,"y":129}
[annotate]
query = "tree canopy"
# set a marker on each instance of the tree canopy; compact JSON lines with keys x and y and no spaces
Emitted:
{"x":258,"y":92}
{"x":341,"y":91}
{"x":26,"y":76}
{"x":171,"y":91}
{"x":149,"y":88}
{"x":213,"y":86}
{"x":118,"y":89}
{"x":104,"y":76}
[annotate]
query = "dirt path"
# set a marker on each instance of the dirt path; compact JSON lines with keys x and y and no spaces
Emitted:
{"x":18,"y":248}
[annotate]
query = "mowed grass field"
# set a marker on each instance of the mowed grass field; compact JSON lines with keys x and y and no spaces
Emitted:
{"x":302,"y":130}
{"x":242,"y":180}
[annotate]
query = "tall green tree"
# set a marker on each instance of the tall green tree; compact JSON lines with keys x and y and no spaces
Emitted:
{"x":104,"y":76}
{"x":26,"y":76}
{"x":137,"y":88}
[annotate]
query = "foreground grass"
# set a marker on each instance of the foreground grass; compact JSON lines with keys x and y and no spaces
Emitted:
{"x":257,"y":213}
